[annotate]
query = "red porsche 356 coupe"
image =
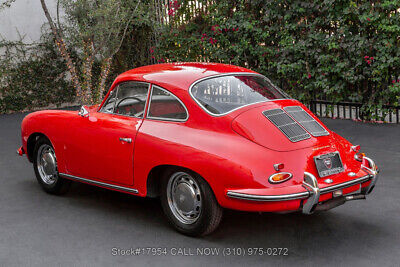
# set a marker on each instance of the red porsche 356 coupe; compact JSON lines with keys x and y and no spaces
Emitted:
{"x":202,"y":137}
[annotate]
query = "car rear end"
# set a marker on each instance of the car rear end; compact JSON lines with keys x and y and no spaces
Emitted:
{"x":314,"y":168}
{"x":297,"y":162}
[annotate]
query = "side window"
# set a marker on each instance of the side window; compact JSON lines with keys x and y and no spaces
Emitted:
{"x":108,"y":106}
{"x":131,"y":99}
{"x":166,"y":106}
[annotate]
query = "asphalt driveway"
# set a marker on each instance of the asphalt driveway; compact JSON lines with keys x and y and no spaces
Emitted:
{"x":88,"y":225}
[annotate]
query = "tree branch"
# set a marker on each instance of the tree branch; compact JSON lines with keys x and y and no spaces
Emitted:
{"x":58,"y":14}
{"x":125,"y":30}
{"x":63,"y":50}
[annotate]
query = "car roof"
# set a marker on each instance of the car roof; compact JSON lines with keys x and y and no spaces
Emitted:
{"x":178,"y":75}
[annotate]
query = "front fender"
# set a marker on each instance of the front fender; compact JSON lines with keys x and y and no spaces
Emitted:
{"x":49,"y":123}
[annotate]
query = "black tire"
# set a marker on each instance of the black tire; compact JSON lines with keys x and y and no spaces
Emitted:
{"x":59,"y":185}
{"x":211,"y":212}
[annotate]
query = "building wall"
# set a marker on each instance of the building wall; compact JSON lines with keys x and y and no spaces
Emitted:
{"x":26,"y":17}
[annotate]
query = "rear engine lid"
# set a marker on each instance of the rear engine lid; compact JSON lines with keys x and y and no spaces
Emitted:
{"x":284,"y":125}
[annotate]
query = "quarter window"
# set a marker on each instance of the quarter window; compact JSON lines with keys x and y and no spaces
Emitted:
{"x":166,"y":106}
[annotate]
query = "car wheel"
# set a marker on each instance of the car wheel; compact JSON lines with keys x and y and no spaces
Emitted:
{"x":189,"y":203}
{"x":45,"y":166}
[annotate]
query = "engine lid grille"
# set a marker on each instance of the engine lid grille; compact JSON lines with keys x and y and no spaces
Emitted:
{"x":289,"y":127}
{"x":305,"y":119}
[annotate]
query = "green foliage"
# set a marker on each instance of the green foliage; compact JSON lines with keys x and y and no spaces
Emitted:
{"x":337,"y":50}
{"x":96,"y":31}
{"x":32,"y":76}
{"x":139,"y":40}
{"x":101,"y":23}
{"x":102,"y":38}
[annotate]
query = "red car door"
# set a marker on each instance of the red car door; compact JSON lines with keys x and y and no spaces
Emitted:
{"x":101,"y":145}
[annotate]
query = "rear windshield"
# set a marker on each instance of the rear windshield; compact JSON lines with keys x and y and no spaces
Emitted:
{"x":220,"y":95}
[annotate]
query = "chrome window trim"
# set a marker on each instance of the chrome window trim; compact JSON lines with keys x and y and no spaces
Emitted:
{"x":111,"y":186}
{"x":116,"y":99}
{"x":232,"y":74}
{"x":161,"y":118}
{"x":108,"y":98}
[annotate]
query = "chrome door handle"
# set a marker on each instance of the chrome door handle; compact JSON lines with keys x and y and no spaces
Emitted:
{"x":126,"y":140}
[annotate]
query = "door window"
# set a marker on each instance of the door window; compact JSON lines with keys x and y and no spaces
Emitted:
{"x":108,"y":106}
{"x":131,"y":99}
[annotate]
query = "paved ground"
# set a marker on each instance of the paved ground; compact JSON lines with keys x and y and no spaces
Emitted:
{"x":84,"y":226}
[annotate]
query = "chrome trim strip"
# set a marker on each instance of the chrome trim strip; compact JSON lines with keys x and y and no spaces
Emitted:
{"x":231,"y":74}
{"x":111,"y":186}
{"x":294,"y":196}
{"x":165,"y":119}
{"x":345,"y":184}
{"x":301,"y":195}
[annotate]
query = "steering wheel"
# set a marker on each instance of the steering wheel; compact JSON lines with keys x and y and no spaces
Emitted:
{"x":129,"y":97}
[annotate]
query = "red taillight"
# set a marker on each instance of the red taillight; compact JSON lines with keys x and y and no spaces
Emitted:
{"x":359,"y":156}
{"x":279,"y":166}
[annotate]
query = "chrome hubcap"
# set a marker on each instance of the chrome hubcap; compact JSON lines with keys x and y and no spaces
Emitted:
{"x":184,"y":197}
{"x":47,"y":164}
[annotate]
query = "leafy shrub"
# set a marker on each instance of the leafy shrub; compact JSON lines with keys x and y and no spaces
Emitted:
{"x":32,"y":76}
{"x":337,"y":50}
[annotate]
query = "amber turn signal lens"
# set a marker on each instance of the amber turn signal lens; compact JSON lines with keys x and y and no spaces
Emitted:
{"x":279,"y":177}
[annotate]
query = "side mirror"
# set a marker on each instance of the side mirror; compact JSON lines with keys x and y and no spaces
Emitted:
{"x":83,"y":112}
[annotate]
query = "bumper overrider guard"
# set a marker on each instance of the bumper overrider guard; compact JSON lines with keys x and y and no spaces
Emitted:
{"x":313,"y":191}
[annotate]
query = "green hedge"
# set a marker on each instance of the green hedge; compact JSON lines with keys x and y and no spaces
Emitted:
{"x":333,"y":50}
{"x":31,"y":77}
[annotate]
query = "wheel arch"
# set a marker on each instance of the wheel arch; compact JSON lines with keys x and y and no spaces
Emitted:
{"x":153,"y":182}
{"x":30,"y":144}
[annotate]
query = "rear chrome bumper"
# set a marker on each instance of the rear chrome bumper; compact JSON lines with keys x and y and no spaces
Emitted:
{"x":313,"y":192}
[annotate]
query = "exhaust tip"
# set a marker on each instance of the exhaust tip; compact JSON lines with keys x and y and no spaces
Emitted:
{"x":355,"y":197}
